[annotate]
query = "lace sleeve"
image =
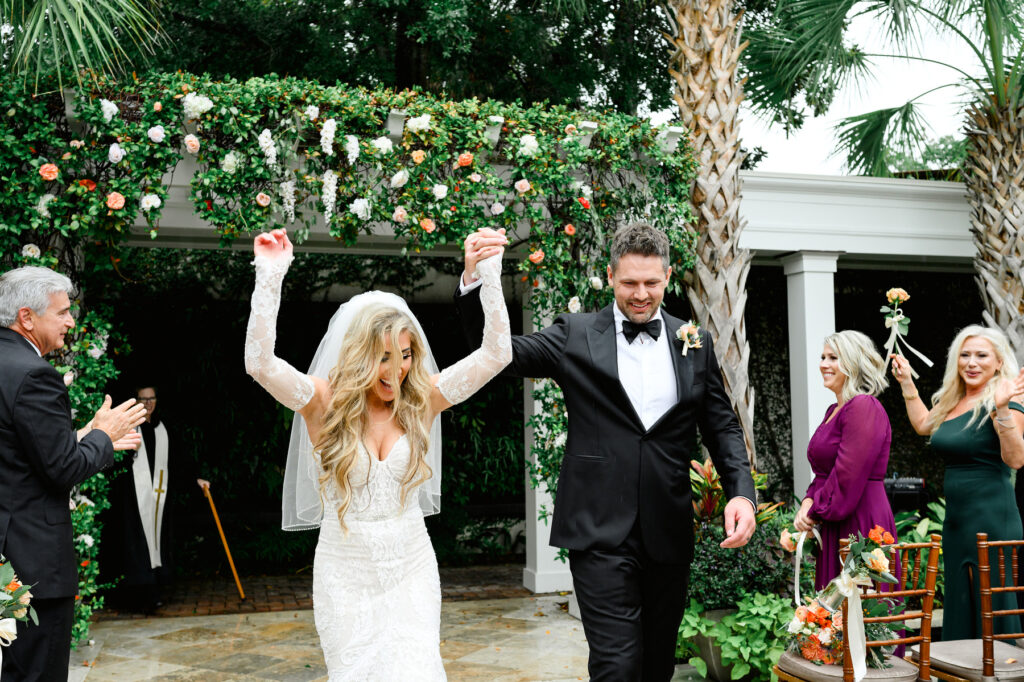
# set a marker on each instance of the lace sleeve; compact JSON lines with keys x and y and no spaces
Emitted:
{"x":290,"y":387}
{"x":467,"y":376}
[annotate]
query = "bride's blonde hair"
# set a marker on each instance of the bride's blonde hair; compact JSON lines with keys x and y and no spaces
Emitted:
{"x":351,"y":381}
{"x":953,"y":389}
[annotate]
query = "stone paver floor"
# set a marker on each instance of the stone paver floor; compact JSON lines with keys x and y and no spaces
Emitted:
{"x":491,"y":640}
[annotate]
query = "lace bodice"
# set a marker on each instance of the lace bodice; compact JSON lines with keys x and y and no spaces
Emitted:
{"x":376,"y":486}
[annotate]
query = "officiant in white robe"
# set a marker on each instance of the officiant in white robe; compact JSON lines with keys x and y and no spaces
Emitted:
{"x":146,"y":495}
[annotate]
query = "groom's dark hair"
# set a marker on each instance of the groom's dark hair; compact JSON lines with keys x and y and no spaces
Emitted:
{"x":642,"y":239}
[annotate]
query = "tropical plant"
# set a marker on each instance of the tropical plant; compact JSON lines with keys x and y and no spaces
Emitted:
{"x":59,"y":36}
{"x":914,"y":527}
{"x":993,"y":93}
{"x":709,"y":498}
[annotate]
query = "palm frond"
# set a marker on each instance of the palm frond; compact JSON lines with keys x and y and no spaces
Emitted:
{"x":866,"y":139}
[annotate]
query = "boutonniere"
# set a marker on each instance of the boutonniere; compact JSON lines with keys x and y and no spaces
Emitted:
{"x":689,"y":334}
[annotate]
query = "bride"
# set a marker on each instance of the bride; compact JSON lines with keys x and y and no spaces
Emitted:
{"x":364,"y":461}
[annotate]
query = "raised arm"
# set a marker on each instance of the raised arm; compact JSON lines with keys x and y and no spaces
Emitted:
{"x":290,"y":387}
{"x":917,"y":410}
{"x":458,"y":382}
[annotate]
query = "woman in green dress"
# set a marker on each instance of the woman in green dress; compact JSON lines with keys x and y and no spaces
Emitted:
{"x":979,"y":432}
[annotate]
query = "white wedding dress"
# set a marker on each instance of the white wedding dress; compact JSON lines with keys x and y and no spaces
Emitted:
{"x":376,"y":590}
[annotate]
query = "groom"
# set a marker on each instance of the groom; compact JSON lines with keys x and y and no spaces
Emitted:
{"x":634,"y":403}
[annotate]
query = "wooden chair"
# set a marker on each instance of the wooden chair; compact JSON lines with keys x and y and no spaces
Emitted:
{"x":989,"y":658}
{"x":909,"y":557}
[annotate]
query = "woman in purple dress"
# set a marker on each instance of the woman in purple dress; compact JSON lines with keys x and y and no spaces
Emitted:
{"x":848,"y":453}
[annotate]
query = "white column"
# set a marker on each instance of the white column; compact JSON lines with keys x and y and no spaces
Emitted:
{"x":543,"y":572}
{"x":810,"y":288}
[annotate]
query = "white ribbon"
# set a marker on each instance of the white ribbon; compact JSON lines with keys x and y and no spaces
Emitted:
{"x":799,"y":560}
{"x":848,"y":586}
{"x":895,"y":338}
{"x":8,"y":633}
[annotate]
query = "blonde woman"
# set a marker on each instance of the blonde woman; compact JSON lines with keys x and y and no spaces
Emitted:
{"x":364,"y":463}
{"x":849,"y":452}
{"x":977,"y":429}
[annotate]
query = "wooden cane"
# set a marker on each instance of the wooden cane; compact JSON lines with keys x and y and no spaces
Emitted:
{"x":213,"y":508}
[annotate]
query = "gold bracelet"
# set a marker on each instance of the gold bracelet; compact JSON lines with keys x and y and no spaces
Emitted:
{"x":910,"y":397}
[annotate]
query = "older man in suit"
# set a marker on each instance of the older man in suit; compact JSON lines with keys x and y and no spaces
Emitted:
{"x":634,"y":400}
{"x":41,"y":459}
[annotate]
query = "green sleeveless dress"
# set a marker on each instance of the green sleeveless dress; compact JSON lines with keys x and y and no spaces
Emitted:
{"x":979,"y":499}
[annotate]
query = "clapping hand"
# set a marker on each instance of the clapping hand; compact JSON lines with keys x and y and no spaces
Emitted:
{"x":1008,"y":389}
{"x":129,"y":441}
{"x":273,"y":244}
{"x":482,"y":244}
{"x":118,"y":422}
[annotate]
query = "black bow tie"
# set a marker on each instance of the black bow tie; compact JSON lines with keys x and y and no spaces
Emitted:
{"x":631,"y":329}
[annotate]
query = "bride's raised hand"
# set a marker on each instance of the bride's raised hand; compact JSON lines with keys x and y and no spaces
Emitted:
{"x":273,"y":244}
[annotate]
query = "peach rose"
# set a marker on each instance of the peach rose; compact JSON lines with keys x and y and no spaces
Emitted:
{"x":418,"y":156}
{"x":465,"y":159}
{"x":428,"y":225}
{"x":536,"y":257}
{"x":191,"y":144}
{"x":65,"y":156}
{"x":570,"y":229}
{"x":115,"y":201}
{"x":523,"y":186}
{"x":49,"y":172}
{"x":896,"y":295}
{"x":787,"y":541}
{"x":263,"y":199}
{"x":157,"y":106}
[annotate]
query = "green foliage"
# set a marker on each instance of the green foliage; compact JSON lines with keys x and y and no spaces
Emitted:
{"x":914,"y":527}
{"x":943,"y":158}
{"x":748,"y":637}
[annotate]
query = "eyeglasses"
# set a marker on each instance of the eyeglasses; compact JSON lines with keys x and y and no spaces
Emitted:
{"x":147,"y":400}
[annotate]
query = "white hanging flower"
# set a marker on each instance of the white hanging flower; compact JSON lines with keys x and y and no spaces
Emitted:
{"x":109,"y":109}
{"x":288,"y":199}
{"x":192,"y":144}
{"x":229,"y":164}
{"x":597,"y":283}
{"x":574,"y":304}
{"x":149,"y":202}
{"x":266,"y":140}
{"x":312,"y":111}
{"x":43,"y":210}
{"x":440,"y":191}
{"x":419,"y":124}
{"x":360,"y":208}
{"x":352,"y":148}
{"x":560,"y":440}
{"x":528,"y":145}
{"x":400,"y":215}
{"x":115,"y":153}
{"x":327,"y":133}
{"x":31,"y":250}
{"x":329,"y":194}
{"x":399,"y":179}
{"x":196,"y":105}
{"x":497,"y":208}
{"x":156,"y":134}
{"x":383,"y":145}
{"x":85,"y":539}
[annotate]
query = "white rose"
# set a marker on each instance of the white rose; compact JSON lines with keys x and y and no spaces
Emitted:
{"x":230,"y":163}
{"x":109,"y":109}
{"x":85,"y":539}
{"x":795,"y":626}
{"x":825,"y":636}
{"x":597,"y":283}
{"x":312,"y":111}
{"x":156,"y":134}
{"x":115,"y":153}
{"x":400,"y":215}
{"x":31,"y":250}
{"x":523,"y":186}
{"x":574,"y":304}
{"x":383,"y":145}
{"x":192,"y":144}
{"x":476,"y":177}
{"x":149,"y":202}
{"x":8,"y":631}
{"x":419,"y":124}
{"x":400,"y":178}
{"x":196,"y":105}
{"x":360,"y":208}
{"x":69,"y":378}
{"x":497,"y":208}
{"x":528,"y":145}
{"x":440,"y":191}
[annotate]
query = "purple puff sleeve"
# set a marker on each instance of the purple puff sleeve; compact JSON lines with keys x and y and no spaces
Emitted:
{"x":864,"y":436}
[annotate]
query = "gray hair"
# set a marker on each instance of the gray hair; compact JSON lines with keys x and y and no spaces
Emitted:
{"x":29,"y":287}
{"x":859,"y":361}
{"x":642,"y":239}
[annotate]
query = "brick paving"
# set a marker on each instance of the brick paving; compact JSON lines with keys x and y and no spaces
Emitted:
{"x":218,"y":595}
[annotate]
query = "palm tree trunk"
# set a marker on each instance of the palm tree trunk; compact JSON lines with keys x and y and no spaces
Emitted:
{"x":994,"y":177}
{"x":705,"y":51}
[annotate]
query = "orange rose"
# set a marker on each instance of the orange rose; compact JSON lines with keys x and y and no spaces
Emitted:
{"x":157,"y":106}
{"x":13,"y":585}
{"x":49,"y":172}
{"x":89,"y":185}
{"x":786,"y":541}
{"x":428,"y":225}
{"x":115,"y":201}
{"x":465,"y":159}
{"x":570,"y":230}
{"x":536,"y":257}
{"x":802,"y":612}
{"x":875,"y":534}
{"x":887,"y":538}
{"x":418,"y":156}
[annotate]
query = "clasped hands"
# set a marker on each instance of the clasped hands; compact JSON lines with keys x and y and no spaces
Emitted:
{"x":482,"y":244}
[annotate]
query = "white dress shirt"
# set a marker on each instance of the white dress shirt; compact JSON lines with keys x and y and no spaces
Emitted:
{"x":646,"y":371}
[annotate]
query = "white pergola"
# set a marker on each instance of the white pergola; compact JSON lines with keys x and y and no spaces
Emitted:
{"x":809,"y":225}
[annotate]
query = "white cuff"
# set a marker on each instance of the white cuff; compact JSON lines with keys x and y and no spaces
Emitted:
{"x":466,"y":288}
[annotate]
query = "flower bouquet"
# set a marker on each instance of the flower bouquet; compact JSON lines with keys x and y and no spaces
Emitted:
{"x":14,"y":603}
{"x":898,"y":325}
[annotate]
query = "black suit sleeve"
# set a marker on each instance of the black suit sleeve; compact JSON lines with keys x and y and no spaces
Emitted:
{"x":721,"y":432}
{"x":49,"y":442}
{"x":535,"y":355}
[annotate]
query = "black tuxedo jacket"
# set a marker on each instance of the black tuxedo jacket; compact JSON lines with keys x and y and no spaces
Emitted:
{"x":41,"y":459}
{"x":615,"y":472}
